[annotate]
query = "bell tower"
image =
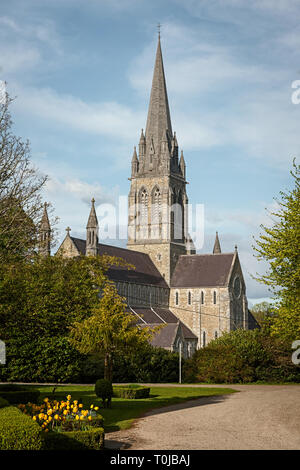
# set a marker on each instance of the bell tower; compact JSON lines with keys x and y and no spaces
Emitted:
{"x":157,"y":201}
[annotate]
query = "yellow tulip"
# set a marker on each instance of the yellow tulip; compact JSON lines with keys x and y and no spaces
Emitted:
{"x":96,"y":408}
{"x":90,"y":418}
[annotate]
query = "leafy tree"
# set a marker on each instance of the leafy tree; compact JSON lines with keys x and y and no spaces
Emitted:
{"x":263,"y":313}
{"x":242,"y":356}
{"x":39,"y":301}
{"x":20,"y":192}
{"x":109,"y":329}
{"x":279,"y":245}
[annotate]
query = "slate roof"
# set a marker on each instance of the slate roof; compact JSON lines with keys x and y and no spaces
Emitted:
{"x":166,"y":336}
{"x":202,"y":270}
{"x":161,"y":316}
{"x":145,"y":271}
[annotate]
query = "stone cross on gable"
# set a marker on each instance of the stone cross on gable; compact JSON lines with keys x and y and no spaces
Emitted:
{"x":68,"y":230}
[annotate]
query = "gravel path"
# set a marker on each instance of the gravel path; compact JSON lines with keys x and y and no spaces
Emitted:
{"x":259,"y":417}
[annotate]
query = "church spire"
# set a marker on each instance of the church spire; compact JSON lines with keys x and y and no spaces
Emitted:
{"x":45,"y":233}
{"x":92,"y":232}
{"x":217,"y":246}
{"x":158,"y":120}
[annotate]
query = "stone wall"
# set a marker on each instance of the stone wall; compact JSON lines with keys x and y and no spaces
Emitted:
{"x":207,"y":320}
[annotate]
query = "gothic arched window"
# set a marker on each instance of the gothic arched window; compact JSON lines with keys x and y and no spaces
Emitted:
{"x":189,"y":298}
{"x":144,"y":206}
{"x":202,"y":297}
{"x":215,"y":297}
{"x":156,"y":201}
{"x":204,"y":339}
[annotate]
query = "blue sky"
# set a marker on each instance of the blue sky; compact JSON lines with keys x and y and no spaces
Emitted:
{"x":82,"y":71}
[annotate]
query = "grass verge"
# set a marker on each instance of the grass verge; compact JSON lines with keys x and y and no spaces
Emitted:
{"x":124,"y":412}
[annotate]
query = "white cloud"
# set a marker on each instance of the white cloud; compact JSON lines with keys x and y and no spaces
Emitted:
{"x":107,"y":118}
{"x":14,"y":58}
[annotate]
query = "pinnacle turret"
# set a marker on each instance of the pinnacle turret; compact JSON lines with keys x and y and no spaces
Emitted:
{"x":134,"y":163}
{"x":217,"y":246}
{"x":45,"y":233}
{"x":92,"y":232}
{"x":182,"y":164}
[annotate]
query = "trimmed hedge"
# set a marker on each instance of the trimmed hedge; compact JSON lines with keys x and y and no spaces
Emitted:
{"x":18,"y":431}
{"x":131,"y":392}
{"x":75,"y":440}
{"x":8,"y":387}
{"x":3,"y":403}
{"x":22,"y":396}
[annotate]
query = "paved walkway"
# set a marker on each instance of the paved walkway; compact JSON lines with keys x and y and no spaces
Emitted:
{"x":259,"y":417}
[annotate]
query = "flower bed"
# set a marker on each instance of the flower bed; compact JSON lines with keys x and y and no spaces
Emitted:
{"x":66,"y":424}
{"x":63,"y":415}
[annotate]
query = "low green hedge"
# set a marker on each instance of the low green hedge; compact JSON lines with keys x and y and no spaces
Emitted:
{"x":20,"y":396}
{"x":9,"y":387}
{"x":18,"y":431}
{"x":131,"y":392}
{"x":3,"y":403}
{"x":75,"y":440}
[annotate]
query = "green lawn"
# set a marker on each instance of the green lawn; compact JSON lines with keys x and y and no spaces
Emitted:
{"x":124,"y":411}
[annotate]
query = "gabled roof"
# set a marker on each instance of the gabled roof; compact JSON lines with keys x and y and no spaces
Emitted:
{"x":145,"y":271}
{"x":202,"y":270}
{"x":162,"y":316}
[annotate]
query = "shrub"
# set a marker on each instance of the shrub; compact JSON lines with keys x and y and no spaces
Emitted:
{"x":242,"y":356}
{"x":15,"y":397}
{"x":75,"y":440}
{"x":104,"y":390}
{"x":42,"y":359}
{"x":149,"y":364}
{"x":18,"y":431}
{"x":3,"y":403}
{"x":131,"y":392}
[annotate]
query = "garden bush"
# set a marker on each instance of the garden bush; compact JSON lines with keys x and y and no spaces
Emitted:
{"x":18,"y":431}
{"x":149,"y":364}
{"x":75,"y":440}
{"x":242,"y":356}
{"x":3,"y":403}
{"x":44,"y":359}
{"x":104,"y":390}
{"x":131,"y":392}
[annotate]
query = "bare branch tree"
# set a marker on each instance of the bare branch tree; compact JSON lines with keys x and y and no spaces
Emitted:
{"x":20,"y":191}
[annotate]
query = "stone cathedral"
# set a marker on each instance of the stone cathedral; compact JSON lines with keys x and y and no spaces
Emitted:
{"x":196,"y":297}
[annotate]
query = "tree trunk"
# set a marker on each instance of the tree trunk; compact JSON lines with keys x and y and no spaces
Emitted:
{"x":108,"y":366}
